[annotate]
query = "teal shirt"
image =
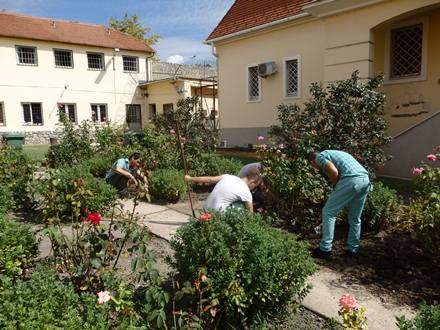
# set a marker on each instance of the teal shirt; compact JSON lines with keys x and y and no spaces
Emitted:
{"x":122,"y":162}
{"x":345,"y":163}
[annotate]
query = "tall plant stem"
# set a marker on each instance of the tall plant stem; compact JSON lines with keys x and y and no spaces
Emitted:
{"x":185,"y":167}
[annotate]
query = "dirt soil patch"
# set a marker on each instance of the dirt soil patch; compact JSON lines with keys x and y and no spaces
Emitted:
{"x":393,"y":266}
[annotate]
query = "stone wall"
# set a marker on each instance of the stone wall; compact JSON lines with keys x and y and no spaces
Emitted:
{"x":39,"y":137}
{"x":163,"y":70}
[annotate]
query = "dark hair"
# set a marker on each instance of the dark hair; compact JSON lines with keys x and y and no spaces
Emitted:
{"x":312,"y":156}
{"x":134,"y":155}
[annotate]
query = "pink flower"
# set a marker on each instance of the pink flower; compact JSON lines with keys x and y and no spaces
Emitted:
{"x":417,"y":170}
{"x":431,"y":157}
{"x":205,"y":217}
{"x":94,"y":218}
{"x":348,"y":302}
{"x":260,"y":210}
{"x":103,"y":297}
{"x":264,"y":146}
{"x":281,"y":146}
{"x":172,"y":131}
{"x":260,"y":138}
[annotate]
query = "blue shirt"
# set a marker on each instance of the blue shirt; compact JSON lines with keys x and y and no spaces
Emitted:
{"x":345,"y":163}
{"x":122,"y":163}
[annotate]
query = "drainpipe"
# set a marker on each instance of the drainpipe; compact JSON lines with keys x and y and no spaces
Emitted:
{"x":146,"y":66}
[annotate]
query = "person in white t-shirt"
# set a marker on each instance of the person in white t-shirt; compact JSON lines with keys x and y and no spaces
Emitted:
{"x":228,"y":189}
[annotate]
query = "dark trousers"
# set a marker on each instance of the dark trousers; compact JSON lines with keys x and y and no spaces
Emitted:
{"x":119,"y":182}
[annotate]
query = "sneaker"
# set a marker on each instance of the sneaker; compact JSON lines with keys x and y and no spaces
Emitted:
{"x":319,"y":254}
{"x":350,"y":254}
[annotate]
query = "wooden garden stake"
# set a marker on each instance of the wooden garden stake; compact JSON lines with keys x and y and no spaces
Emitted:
{"x":185,"y":167}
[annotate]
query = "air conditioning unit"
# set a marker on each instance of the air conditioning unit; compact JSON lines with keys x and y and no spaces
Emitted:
{"x":267,"y":69}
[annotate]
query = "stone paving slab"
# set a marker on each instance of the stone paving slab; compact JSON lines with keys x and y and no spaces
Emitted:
{"x":329,"y":286}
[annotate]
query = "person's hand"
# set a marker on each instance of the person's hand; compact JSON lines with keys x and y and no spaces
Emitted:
{"x":187,"y":178}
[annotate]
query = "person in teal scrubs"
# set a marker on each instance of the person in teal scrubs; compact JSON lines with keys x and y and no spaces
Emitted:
{"x":351,"y":185}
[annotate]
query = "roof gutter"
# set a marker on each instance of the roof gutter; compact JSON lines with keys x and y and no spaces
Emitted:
{"x":256,"y":28}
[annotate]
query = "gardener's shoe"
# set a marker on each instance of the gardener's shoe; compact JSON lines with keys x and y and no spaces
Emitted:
{"x":350,"y":254}
{"x":319,"y":254}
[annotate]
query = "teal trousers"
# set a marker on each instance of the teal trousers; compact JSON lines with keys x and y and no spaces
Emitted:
{"x":350,"y":192}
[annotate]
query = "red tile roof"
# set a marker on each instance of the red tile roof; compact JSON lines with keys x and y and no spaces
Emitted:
{"x":246,"y":14}
{"x":37,"y":28}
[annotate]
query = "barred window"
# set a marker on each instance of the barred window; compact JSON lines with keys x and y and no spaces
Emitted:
{"x":63,"y":58}
{"x":99,"y":113}
{"x":292,"y":77}
{"x":2,"y":115}
{"x":130,"y":63}
{"x":253,"y":84}
{"x":26,"y":55}
{"x":133,"y":113}
{"x":95,"y":61}
{"x":406,"y":51}
{"x":32,"y":113}
{"x":68,"y":110}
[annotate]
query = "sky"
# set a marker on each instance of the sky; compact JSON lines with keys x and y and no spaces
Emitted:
{"x":183,"y":24}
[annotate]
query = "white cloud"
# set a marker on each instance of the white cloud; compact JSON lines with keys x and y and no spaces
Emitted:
{"x":177,"y":59}
{"x":186,"y":47}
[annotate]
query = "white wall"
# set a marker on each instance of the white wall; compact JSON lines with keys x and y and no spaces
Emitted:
{"x":49,"y":85}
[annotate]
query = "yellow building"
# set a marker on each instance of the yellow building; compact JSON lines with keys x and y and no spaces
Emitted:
{"x":270,"y":51}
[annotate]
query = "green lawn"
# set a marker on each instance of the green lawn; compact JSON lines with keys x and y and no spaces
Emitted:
{"x":36,"y":151}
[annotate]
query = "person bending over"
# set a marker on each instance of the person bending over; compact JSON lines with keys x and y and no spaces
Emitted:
{"x":350,"y":189}
{"x":229,"y":189}
{"x":125,"y":171}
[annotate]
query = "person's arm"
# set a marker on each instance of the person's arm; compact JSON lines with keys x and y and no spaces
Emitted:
{"x":209,"y":180}
{"x":125,"y":173}
{"x":332,"y":172}
{"x":249,"y":206}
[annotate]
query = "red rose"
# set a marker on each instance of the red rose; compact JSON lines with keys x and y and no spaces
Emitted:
{"x":204,"y":217}
{"x":94,"y":218}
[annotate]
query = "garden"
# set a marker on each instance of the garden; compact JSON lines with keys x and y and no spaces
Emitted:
{"x":229,"y":270}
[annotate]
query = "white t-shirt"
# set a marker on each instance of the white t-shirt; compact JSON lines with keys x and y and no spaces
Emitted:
{"x":228,"y":190}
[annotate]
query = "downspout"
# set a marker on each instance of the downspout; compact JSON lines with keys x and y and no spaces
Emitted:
{"x":214,"y":53}
{"x":147,"y":73}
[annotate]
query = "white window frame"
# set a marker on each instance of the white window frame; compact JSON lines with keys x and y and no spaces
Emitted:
{"x":32,"y":119}
{"x":248,"y":100}
{"x":103,"y":61}
{"x":75,"y":111}
{"x":137,"y":64}
{"x":298,"y":93}
{"x":3,"y":112}
{"x":387,"y":64}
{"x":98,"y":119}
{"x":62,"y":50}
{"x":18,"y":57}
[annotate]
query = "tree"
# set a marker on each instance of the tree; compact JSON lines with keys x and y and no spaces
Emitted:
{"x":131,"y":26}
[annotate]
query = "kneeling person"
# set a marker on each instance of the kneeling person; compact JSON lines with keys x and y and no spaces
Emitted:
{"x":124,"y":171}
{"x":229,"y":189}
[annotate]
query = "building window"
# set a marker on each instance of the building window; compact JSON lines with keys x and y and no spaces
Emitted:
{"x":26,"y":55}
{"x":130,"y":63}
{"x":167,"y":107}
{"x":68,"y":110}
{"x":63,"y":58}
{"x":95,"y":61}
{"x":152,"y":112}
{"x":292,"y":77}
{"x":2,"y":115}
{"x":254,"y":84}
{"x":133,"y":113}
{"x":99,"y":113}
{"x":32,"y":113}
{"x":406,"y":51}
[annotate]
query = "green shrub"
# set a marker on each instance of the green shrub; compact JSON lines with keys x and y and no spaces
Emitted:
{"x":346,"y":115}
{"x":18,"y":247}
{"x":212,"y":165}
{"x":6,"y":200}
{"x":67,"y":193}
{"x":16,"y":171}
{"x":74,"y":145}
{"x":167,"y":185}
{"x":428,"y":318}
{"x":246,"y":266}
{"x":381,"y":207}
{"x":44,"y":302}
{"x":99,"y":165}
{"x":299,"y":192}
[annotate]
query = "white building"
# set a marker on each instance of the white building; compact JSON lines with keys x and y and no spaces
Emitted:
{"x":87,"y":71}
